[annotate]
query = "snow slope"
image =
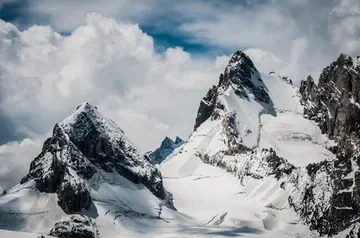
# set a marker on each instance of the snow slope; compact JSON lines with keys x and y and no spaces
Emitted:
{"x":251,"y":202}
{"x":291,"y":135}
{"x":222,"y":207}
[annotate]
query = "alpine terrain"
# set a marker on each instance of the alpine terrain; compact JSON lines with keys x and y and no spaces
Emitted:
{"x":265,"y":159}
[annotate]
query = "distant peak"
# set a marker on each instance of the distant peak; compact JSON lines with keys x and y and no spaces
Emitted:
{"x":168,"y":139}
{"x":167,"y":143}
{"x":166,"y":148}
{"x":179,"y":140}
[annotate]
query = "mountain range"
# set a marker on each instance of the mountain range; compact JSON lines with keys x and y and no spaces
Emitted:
{"x":265,"y":159}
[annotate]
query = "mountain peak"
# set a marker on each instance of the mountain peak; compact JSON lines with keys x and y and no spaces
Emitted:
{"x":87,"y":118}
{"x":83,"y":108}
{"x":241,"y":76}
{"x":240,"y":57}
{"x":86,"y":106}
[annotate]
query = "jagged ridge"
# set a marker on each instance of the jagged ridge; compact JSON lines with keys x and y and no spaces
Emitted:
{"x":334,"y":105}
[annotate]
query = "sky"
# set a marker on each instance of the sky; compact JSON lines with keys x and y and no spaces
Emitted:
{"x":147,"y":63}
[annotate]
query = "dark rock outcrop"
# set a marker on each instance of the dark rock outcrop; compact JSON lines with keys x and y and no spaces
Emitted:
{"x":207,"y":106}
{"x":47,"y":171}
{"x":334,"y":105}
{"x":334,"y":102}
{"x":79,"y":226}
{"x":73,"y":195}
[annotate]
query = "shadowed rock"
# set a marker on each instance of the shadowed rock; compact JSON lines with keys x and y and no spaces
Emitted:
{"x":334,"y":105}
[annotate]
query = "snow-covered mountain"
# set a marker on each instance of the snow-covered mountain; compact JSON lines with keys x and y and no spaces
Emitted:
{"x":87,"y":166}
{"x":253,"y":126}
{"x":166,"y":148}
{"x":265,"y":159}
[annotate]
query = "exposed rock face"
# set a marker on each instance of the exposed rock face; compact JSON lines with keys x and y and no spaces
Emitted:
{"x":107,"y":147}
{"x":50,"y":170}
{"x":207,"y":106}
{"x":166,"y":148}
{"x":255,"y":164}
{"x":76,"y":226}
{"x":81,"y":146}
{"x":47,"y":171}
{"x":73,"y":195}
{"x":243,"y":77}
{"x":334,"y":105}
{"x":334,"y":102}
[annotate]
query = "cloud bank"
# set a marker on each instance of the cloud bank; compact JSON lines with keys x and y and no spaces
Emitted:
{"x":44,"y":76}
{"x":112,"y":63}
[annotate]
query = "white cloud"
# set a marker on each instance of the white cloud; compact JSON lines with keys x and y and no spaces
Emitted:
{"x":15,"y":158}
{"x":44,"y":76}
{"x":265,"y":61}
{"x":113,"y":64}
{"x":279,"y":28}
{"x":66,"y":15}
{"x":345,"y":25}
{"x":329,"y":26}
